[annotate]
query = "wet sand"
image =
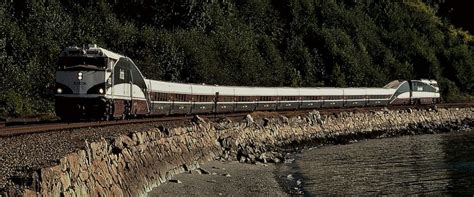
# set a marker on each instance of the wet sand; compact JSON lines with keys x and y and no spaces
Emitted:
{"x":224,"y":178}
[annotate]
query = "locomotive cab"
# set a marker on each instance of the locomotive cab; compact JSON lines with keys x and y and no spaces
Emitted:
{"x":414,"y":92}
{"x":81,"y":82}
{"x":92,"y":82}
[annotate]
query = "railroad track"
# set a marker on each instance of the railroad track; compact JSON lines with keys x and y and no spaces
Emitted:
{"x":8,"y":131}
{"x":37,"y":128}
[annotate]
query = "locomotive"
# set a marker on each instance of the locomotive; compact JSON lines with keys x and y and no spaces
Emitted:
{"x":93,"y":82}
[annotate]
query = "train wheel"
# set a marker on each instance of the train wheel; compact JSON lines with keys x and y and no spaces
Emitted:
{"x":108,"y":112}
{"x":107,"y":117}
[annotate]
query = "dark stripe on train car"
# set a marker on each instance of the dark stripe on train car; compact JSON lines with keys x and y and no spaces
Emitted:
{"x":228,"y":107}
{"x":283,"y":105}
{"x":266,"y":106}
{"x":330,"y":104}
{"x":311,"y":104}
{"x":160,"y":108}
{"x":352,"y":103}
{"x":181,"y":108}
{"x":203,"y":108}
{"x":377,"y":102}
{"x":240,"y":107}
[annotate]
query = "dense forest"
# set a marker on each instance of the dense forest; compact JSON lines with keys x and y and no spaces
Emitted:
{"x":339,"y":43}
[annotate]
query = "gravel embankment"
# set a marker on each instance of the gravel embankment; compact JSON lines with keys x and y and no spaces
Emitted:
{"x":21,"y":156}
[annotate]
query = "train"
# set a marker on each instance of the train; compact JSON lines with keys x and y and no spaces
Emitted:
{"x":93,"y":82}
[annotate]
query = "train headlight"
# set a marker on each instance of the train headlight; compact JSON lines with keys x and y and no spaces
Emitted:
{"x":101,"y":90}
{"x":59,"y":90}
{"x":79,"y":76}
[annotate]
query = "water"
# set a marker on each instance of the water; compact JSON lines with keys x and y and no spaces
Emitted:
{"x":423,"y":164}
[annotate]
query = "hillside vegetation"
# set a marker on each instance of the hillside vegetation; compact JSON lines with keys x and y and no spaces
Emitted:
{"x":339,"y":43}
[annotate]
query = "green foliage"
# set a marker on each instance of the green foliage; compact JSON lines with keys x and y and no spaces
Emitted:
{"x":240,"y":42}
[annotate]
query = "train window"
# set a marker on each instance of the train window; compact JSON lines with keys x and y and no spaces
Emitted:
{"x":122,"y":74}
{"x":74,"y":61}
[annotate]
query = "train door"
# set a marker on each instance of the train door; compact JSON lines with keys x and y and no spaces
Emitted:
{"x":122,"y":92}
{"x":128,"y":91}
{"x":410,"y":83}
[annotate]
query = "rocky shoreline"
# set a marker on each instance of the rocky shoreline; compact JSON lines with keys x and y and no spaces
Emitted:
{"x":134,"y":163}
{"x":274,"y":153}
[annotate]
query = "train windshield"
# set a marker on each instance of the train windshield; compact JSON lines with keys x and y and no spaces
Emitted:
{"x":82,"y":62}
